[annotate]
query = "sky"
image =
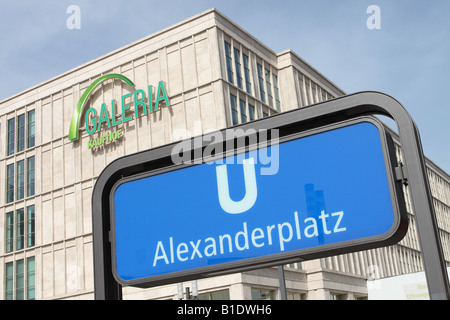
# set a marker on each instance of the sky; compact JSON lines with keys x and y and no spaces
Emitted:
{"x":407,"y":56}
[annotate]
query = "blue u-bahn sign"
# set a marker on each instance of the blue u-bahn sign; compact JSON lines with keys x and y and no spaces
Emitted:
{"x":329,"y":190}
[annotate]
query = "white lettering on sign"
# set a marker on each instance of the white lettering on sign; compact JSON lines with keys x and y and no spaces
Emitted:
{"x":251,"y":193}
{"x":281,"y":234}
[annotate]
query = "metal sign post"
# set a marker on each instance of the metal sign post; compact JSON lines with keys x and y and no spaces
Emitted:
{"x":282,"y":281}
{"x":122,"y":174}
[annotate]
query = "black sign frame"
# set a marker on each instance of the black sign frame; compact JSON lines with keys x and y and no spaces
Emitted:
{"x":394,"y":235}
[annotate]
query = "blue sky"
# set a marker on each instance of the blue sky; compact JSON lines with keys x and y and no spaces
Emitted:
{"x":407,"y":58}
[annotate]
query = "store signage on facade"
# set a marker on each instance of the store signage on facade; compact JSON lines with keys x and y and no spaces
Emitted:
{"x":131,"y":105}
{"x":332,"y":190}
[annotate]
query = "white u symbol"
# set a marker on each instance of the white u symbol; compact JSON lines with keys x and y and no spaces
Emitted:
{"x":236,"y":207}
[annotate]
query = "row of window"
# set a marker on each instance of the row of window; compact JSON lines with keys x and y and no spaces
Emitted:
{"x":311,"y":92}
{"x":21,"y":132}
{"x":20,"y":179}
{"x":20,"y":234}
{"x":268,"y":86}
{"x":242,"y":111}
{"x":244,"y":116}
{"x":257,"y":294}
{"x":19,"y":275}
{"x":238,"y":68}
{"x":20,"y":279}
{"x":265,"y":294}
{"x":20,"y":229}
{"x":238,"y":64}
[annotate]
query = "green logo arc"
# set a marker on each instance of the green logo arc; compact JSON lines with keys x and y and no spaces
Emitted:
{"x":76,"y":116}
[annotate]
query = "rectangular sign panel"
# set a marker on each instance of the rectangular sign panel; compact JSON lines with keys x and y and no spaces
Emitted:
{"x":331,"y":190}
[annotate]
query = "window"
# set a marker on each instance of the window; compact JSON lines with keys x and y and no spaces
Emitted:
{"x":234,"y":111}
{"x":269,"y":88}
{"x":217,"y":295}
{"x":261,"y":83}
{"x":297,"y":265}
{"x":10,"y":183}
{"x":308,"y":92}
{"x":251,"y":112}
{"x":31,"y":120}
{"x":9,"y":281}
{"x":31,"y":276}
{"x":337,"y":296}
{"x":243,"y":111}
{"x":248,"y":84}
{"x":18,"y":181}
{"x":31,"y":229}
{"x":277,"y":93}
{"x":20,"y":231}
{"x":302,"y":91}
{"x":11,"y":136}
{"x":295,"y":296}
{"x":30,"y":177}
{"x":314,"y":92}
{"x":21,"y":133}
{"x":240,"y":60}
{"x":20,"y":279}
{"x":237,"y":64}
{"x":261,"y":294}
{"x":20,"y":227}
{"x":324,"y":95}
{"x":229,"y":62}
{"x":9,"y":235}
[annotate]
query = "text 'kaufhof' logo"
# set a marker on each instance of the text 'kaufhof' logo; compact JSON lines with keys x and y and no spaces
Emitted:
{"x":212,"y":149}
